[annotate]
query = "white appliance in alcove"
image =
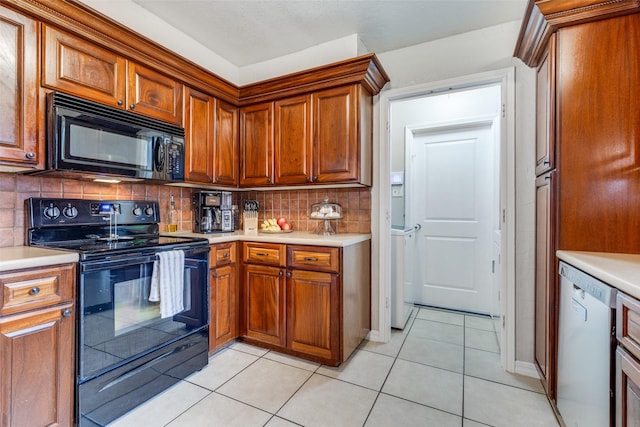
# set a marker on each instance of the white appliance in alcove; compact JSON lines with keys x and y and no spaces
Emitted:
{"x":402,"y":255}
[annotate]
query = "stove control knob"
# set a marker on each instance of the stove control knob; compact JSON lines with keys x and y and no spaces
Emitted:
{"x":51,"y":212}
{"x":148,"y":211}
{"x":137,"y":211}
{"x":70,"y":212}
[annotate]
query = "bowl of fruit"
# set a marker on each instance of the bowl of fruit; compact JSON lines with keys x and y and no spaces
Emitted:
{"x":276,"y":225}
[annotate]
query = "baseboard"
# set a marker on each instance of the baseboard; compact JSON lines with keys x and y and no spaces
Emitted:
{"x":373,"y":336}
{"x":527,"y":369}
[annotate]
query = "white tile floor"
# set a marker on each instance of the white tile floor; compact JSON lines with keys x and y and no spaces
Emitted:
{"x":442,"y":370}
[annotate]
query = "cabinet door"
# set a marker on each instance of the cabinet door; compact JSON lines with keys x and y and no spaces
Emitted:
{"x":198,"y":124}
{"x":336,"y":145}
{"x":264,"y":305}
{"x":19,"y":89}
{"x":293,"y":140}
{"x":313,"y":314}
{"x":154,"y":94}
{"x":627,"y":390}
{"x":37,"y":367}
{"x":224,"y":306}
{"x":545,"y":283}
{"x":80,"y":68}
{"x":256,"y":144}
{"x":225,"y":144}
{"x":545,"y":111}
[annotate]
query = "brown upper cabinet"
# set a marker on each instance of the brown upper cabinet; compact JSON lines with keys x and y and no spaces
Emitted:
{"x":73,"y":65}
{"x":545,"y":110}
{"x":312,"y":127}
{"x":19,"y":105}
{"x":256,"y":145}
{"x":320,"y":138}
{"x":211,"y":128}
{"x":292,"y":157}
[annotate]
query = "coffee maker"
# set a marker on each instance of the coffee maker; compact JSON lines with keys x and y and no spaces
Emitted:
{"x":212,"y":212}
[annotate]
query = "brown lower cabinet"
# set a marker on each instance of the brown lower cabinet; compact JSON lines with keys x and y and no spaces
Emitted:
{"x":223,"y":295}
{"x":37,"y":346}
{"x":295,"y":299}
{"x":627,"y":361}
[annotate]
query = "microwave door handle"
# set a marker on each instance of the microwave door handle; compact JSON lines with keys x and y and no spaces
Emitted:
{"x":158,"y":153}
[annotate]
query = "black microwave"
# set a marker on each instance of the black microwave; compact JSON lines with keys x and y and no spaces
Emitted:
{"x":94,"y":139}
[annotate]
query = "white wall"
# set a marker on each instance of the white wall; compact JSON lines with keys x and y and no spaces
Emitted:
{"x":470,"y":53}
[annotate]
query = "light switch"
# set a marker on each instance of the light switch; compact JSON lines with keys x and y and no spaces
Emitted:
{"x":396,"y":191}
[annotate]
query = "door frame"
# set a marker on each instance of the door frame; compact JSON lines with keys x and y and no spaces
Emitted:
{"x":381,"y":202}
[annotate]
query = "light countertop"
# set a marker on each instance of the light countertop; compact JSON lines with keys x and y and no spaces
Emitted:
{"x":14,"y":258}
{"x":621,"y":271}
{"x":18,"y":257}
{"x":294,"y":238}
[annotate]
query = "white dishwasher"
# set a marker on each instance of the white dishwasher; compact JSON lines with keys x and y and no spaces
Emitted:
{"x":586,"y":337}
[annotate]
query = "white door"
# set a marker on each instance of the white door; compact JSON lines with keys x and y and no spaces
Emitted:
{"x":452,"y":199}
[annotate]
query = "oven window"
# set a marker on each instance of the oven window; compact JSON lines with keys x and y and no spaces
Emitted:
{"x":118,"y":322}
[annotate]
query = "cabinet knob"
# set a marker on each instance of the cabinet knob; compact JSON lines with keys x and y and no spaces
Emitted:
{"x":68,"y":312}
{"x":268,"y":180}
{"x":215,"y":275}
{"x":34,"y":291}
{"x":225,"y":255}
{"x":30,"y":155}
{"x":288,"y":274}
{"x":280,"y":273}
{"x":120,"y":102}
{"x":315,"y":179}
{"x":132,"y":106}
{"x":307,"y":179}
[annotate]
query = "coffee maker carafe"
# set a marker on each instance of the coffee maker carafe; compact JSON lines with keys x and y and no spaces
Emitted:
{"x":212,"y":212}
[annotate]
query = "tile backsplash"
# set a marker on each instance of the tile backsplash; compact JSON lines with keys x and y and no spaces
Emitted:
{"x":292,"y":204}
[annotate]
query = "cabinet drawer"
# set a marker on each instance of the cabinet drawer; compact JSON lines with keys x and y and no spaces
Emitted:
{"x":628,"y":323}
{"x":222,"y":254}
{"x":313,"y":258}
{"x":264,"y":253}
{"x":29,"y":289}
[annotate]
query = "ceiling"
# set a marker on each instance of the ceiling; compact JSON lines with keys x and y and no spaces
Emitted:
{"x":247,"y":32}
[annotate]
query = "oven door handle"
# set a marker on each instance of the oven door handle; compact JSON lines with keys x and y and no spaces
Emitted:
{"x":113,"y":262}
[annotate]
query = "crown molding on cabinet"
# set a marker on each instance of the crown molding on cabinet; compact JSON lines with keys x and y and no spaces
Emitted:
{"x":544,"y":17}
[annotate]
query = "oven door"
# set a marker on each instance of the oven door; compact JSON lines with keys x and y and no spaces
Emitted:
{"x":118,"y":323}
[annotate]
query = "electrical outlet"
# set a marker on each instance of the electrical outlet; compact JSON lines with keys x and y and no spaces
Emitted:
{"x":396,"y":191}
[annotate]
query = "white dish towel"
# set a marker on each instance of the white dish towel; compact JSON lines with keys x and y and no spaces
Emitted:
{"x":167,"y":282}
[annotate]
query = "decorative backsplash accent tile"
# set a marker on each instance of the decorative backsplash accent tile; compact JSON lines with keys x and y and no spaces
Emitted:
{"x":294,"y":205}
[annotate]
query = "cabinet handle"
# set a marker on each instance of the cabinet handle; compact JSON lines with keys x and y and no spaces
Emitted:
{"x":307,"y":179}
{"x":261,"y":254}
{"x":308,"y":258}
{"x":120,"y":102}
{"x":215,"y":274}
{"x":547,"y":177}
{"x":68,"y":312}
{"x":315,"y":179}
{"x":268,"y":180}
{"x":30,"y":155}
{"x":280,"y":273}
{"x":34,"y":291}
{"x":225,"y":255}
{"x":546,"y":162}
{"x":132,"y":106}
{"x":288,"y":274}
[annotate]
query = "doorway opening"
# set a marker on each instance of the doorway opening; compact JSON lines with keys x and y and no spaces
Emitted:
{"x":454,"y":182}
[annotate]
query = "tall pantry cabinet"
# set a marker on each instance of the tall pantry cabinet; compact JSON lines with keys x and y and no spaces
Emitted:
{"x":587,"y":142}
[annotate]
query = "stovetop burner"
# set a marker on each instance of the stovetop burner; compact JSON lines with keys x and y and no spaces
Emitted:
{"x":95,"y":228}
